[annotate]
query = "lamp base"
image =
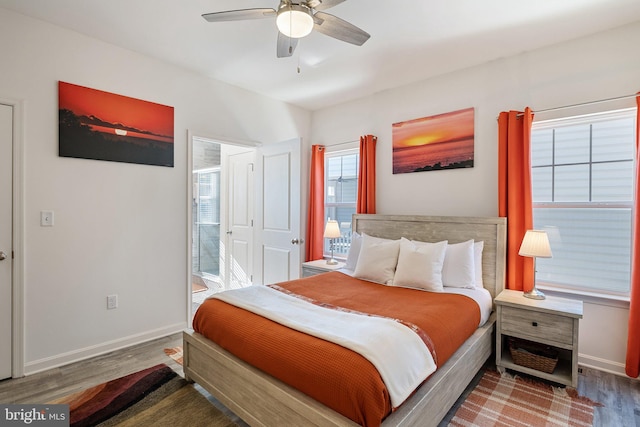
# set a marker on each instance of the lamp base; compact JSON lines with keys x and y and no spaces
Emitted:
{"x":534,"y":294}
{"x":332,"y":261}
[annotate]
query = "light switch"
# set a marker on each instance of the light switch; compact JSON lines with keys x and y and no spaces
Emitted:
{"x":46,"y":218}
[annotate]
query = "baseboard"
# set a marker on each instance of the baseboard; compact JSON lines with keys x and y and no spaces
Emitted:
{"x":609,"y":366}
{"x":97,"y":350}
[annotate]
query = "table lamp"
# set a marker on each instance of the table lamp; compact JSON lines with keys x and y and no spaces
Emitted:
{"x":331,"y":231}
{"x":535,"y":244}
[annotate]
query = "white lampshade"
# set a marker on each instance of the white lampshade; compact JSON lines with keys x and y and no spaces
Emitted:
{"x":332,"y":230}
{"x":535,"y":244}
{"x":295,"y":21}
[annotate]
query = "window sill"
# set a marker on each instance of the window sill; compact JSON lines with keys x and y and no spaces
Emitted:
{"x":618,"y":301}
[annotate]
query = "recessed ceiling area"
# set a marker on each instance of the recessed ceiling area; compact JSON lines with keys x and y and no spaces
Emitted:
{"x":410,"y":40}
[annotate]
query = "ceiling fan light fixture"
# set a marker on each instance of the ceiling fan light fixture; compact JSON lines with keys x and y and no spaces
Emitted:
{"x":294,"y":21}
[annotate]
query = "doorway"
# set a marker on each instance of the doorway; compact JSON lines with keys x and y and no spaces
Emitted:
{"x":259,"y":239}
{"x":221,"y":217}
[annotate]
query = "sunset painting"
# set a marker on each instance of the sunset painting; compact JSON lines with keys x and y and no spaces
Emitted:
{"x":104,"y":126}
{"x":444,"y":141}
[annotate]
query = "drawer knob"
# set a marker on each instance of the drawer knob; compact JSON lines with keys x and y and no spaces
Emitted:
{"x":534,"y":323}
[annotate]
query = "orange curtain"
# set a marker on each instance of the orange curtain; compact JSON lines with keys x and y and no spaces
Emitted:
{"x":315,"y":222}
{"x":367,"y":175}
{"x":514,"y":192}
{"x":633,"y":341}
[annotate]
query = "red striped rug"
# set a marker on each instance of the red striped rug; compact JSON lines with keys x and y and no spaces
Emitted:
{"x":156,"y":396}
{"x":502,"y":400}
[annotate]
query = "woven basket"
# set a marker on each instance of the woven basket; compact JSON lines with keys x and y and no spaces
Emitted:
{"x":533,"y":355}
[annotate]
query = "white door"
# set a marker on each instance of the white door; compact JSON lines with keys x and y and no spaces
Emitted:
{"x":239,"y":234}
{"x":278,"y":239}
{"x":6,"y":183}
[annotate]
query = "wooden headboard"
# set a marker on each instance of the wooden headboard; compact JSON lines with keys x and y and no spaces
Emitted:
{"x":455,"y":229}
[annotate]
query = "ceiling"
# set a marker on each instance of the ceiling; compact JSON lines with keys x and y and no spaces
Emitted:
{"x":411,"y":40}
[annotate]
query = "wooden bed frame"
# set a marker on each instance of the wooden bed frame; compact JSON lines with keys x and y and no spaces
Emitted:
{"x":261,"y":400}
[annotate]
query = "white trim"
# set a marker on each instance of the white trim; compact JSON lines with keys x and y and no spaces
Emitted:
{"x":17,"y":320}
{"x":223,"y":139}
{"x":576,"y":119}
{"x":99,"y":349}
{"x":598,"y":298}
{"x":604,"y":365}
{"x":189,"y":280}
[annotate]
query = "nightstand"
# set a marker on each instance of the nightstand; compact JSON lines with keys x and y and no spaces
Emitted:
{"x":311,"y":268}
{"x":551,"y":322}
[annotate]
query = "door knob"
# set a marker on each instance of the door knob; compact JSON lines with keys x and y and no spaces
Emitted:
{"x":297,"y":241}
{"x":2,"y":256}
{"x":229,"y":232}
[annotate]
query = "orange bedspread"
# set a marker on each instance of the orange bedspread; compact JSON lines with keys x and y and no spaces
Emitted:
{"x":339,"y":378}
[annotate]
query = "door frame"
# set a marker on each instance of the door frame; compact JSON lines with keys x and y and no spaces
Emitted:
{"x":191,"y":135}
{"x":17,"y":274}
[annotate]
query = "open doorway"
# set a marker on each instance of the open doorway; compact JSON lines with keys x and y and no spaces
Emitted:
{"x":221,"y":217}
{"x":205,"y":221}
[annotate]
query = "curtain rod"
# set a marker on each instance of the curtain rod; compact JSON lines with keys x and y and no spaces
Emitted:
{"x":617,"y":98}
{"x":341,"y":143}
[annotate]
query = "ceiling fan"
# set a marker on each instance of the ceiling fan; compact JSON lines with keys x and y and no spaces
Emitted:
{"x":296,"y":19}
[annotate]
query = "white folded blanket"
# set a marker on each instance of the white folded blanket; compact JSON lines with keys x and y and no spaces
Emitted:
{"x":401,"y":357}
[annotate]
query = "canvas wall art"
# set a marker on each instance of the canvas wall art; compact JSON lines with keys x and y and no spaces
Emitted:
{"x":104,"y":126}
{"x":443,"y":141}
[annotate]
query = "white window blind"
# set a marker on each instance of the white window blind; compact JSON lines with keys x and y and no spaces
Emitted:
{"x":582,"y":182}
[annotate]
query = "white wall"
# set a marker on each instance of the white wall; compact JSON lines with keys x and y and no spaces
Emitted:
{"x":597,"y":67}
{"x":119,"y":228}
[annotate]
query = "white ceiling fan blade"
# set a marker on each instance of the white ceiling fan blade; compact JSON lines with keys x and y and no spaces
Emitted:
{"x":340,"y":29}
{"x":239,"y":15}
{"x":323,"y":4}
{"x":286,"y":45}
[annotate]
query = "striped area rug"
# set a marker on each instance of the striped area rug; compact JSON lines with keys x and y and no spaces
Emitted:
{"x":502,"y":400}
{"x":175,"y":353}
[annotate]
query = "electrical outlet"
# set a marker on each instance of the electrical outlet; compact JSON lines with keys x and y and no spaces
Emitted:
{"x":112,"y":302}
{"x":46,"y":218}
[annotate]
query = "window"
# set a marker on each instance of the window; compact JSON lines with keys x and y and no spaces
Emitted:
{"x":208,"y":186}
{"x":582,"y":182}
{"x":340,"y":195}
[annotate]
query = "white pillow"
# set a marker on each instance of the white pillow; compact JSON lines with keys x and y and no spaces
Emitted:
{"x":420,"y":265}
{"x":377,"y":260}
{"x":458,"y":270}
{"x":354,"y":251}
{"x":478,"y":247}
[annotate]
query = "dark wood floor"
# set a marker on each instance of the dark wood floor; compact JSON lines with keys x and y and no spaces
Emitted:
{"x":620,"y":396}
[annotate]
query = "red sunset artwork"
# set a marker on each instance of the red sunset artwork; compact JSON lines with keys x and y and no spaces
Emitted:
{"x":443,"y":141}
{"x":99,"y":125}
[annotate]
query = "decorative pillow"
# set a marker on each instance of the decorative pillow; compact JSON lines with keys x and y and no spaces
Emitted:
{"x":458,"y":270}
{"x":377,"y":260}
{"x":420,"y":265}
{"x":354,"y":251}
{"x":478,"y":247}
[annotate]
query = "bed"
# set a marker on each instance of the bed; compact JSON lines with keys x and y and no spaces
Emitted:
{"x":262,"y":400}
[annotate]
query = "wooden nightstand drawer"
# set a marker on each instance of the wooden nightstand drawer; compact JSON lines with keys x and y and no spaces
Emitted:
{"x":537,"y":325}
